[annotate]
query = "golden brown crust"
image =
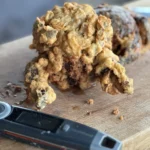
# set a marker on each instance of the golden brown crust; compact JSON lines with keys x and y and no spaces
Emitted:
{"x":113,"y":77}
{"x":36,"y":79}
{"x":71,"y":41}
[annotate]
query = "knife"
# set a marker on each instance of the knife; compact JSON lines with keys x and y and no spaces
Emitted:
{"x":51,"y":132}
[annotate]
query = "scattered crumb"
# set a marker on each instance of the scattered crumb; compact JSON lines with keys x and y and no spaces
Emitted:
{"x":17,"y":103}
{"x":20,"y":102}
{"x":115,"y":111}
{"x":9,"y":84}
{"x":90,"y":101}
{"x":2,"y":94}
{"x":18,"y":89}
{"x":89,"y":113}
{"x":121,"y":118}
{"x":75,"y":107}
{"x":7,"y":92}
{"x":11,"y":89}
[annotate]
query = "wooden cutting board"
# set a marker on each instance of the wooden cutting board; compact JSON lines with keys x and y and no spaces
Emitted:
{"x":133,"y":131}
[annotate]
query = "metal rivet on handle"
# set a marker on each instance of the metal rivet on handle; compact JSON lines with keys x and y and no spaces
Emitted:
{"x":66,"y":127}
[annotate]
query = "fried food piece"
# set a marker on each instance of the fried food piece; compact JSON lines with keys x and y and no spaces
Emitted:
{"x":126,"y":37}
{"x":36,"y":80}
{"x":113,"y":77}
{"x":71,"y":41}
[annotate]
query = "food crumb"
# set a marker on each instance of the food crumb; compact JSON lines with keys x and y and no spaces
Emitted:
{"x":18,"y":89}
{"x":89,"y":113}
{"x":75,"y":107}
{"x":2,"y":94}
{"x":19,"y":102}
{"x":9,"y":84}
{"x":121,"y":118}
{"x":115,"y":111}
{"x":7,"y":92}
{"x":90,"y":101}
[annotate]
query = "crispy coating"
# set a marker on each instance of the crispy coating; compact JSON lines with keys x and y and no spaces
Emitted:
{"x":74,"y":46}
{"x":36,"y":80}
{"x":113,"y":77}
{"x":126,"y":38}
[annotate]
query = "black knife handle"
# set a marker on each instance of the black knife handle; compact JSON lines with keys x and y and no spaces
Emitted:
{"x":51,"y":132}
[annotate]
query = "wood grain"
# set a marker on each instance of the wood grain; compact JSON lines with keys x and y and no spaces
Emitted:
{"x":133,"y":131}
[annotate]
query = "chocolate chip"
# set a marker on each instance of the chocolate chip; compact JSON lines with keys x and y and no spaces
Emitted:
{"x":43,"y":92}
{"x":105,"y":71}
{"x":34,"y":72}
{"x":68,"y":66}
{"x":123,"y":51}
{"x":72,"y":81}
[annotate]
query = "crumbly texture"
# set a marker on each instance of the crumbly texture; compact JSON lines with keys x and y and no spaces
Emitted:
{"x":36,"y":80}
{"x":126,"y":38}
{"x":112,"y":74}
{"x":74,"y":46}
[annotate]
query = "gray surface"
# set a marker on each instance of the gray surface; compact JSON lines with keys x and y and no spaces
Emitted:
{"x":17,"y":16}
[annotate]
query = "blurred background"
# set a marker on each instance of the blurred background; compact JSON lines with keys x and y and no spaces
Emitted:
{"x":17,"y":16}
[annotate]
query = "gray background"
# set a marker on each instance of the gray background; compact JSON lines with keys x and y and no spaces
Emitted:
{"x":17,"y":16}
